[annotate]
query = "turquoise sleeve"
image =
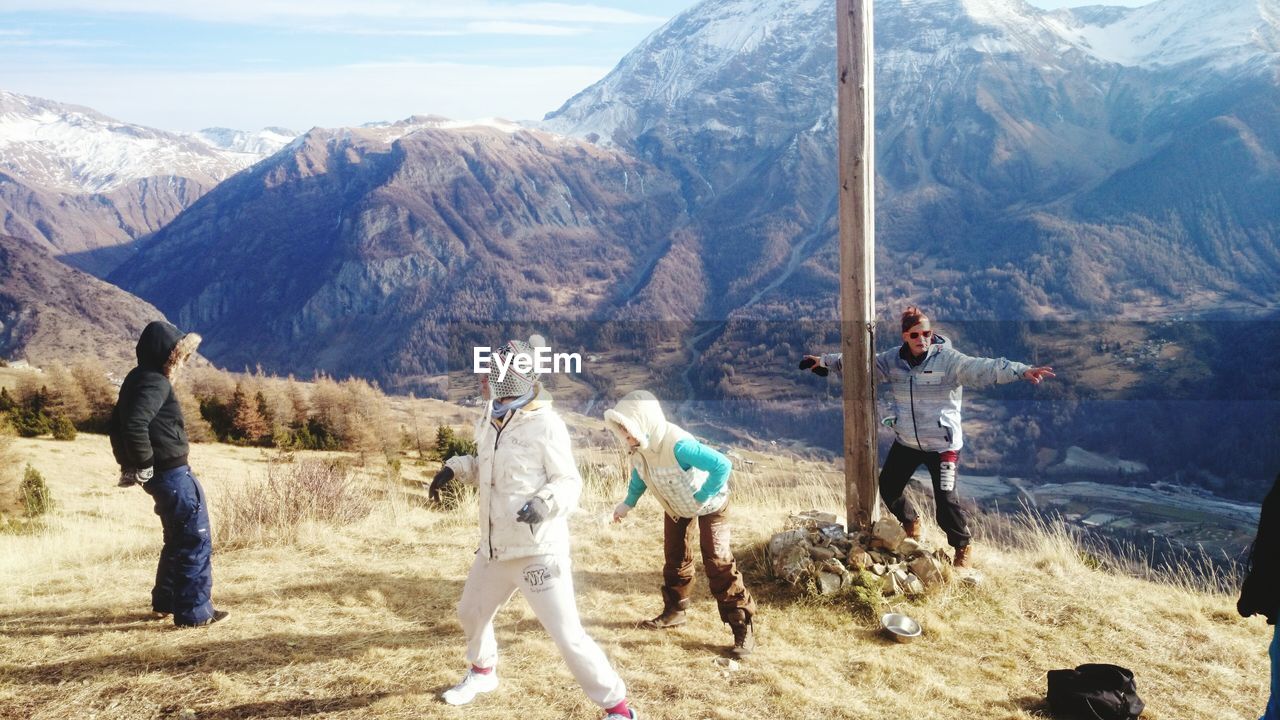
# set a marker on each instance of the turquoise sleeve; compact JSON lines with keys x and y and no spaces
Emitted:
{"x":635,"y":489}
{"x":691,"y":453}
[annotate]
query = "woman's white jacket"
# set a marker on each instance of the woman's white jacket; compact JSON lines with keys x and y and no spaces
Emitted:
{"x":530,"y":456}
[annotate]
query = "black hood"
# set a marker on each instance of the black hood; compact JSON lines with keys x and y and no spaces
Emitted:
{"x":156,"y":344}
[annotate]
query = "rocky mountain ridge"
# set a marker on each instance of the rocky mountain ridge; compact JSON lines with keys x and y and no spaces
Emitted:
{"x":50,"y":312}
{"x":357,"y":248}
{"x":85,"y":186}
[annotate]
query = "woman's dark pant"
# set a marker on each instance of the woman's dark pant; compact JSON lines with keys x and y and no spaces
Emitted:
{"x":184,"y":577}
{"x":896,"y":473}
{"x":717,"y":559}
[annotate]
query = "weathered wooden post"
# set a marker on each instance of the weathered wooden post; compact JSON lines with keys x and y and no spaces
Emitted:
{"x":855,"y":72}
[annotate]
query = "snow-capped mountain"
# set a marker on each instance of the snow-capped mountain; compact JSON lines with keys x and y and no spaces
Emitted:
{"x":72,"y":149}
{"x":85,"y":186}
{"x":992,"y":116}
{"x":698,"y":55}
{"x":770,"y":44}
{"x":1221,"y":35}
{"x":255,"y":144}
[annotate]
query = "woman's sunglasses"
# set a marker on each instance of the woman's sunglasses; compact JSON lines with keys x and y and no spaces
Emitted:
{"x":916,"y":335}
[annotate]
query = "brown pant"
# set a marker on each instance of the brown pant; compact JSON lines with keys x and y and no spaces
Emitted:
{"x":717,"y":559}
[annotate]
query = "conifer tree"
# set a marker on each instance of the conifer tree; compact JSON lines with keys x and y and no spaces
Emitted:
{"x":247,"y":423}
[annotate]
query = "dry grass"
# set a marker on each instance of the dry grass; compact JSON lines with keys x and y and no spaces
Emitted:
{"x":293,"y":494}
{"x":357,"y":620}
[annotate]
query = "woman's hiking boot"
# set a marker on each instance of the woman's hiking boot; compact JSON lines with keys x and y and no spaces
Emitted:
{"x":913,"y":529}
{"x":964,"y":557}
{"x":672,"y":615}
{"x":744,"y":639}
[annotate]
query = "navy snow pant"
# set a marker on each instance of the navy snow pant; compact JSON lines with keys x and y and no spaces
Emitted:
{"x":184,"y":578}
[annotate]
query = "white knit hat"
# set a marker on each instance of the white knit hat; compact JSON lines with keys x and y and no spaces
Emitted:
{"x":514,"y":383}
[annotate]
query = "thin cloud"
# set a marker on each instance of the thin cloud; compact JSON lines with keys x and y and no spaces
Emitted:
{"x":471,"y":28}
{"x":274,"y":12}
{"x":344,"y":96}
{"x":514,"y":28}
{"x":62,"y":43}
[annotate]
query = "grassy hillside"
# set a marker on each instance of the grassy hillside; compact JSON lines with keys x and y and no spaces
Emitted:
{"x":358,"y":621}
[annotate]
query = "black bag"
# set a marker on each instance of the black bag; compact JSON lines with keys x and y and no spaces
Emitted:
{"x":1094,"y":692}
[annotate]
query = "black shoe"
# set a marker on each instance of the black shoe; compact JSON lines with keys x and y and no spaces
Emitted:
{"x":217,"y":615}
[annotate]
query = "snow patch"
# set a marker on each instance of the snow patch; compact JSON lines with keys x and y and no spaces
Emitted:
{"x":72,"y":149}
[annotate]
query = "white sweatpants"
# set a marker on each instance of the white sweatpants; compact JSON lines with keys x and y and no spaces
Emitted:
{"x":547,"y":585}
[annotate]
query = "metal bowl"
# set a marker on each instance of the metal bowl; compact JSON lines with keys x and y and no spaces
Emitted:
{"x":901,"y":627}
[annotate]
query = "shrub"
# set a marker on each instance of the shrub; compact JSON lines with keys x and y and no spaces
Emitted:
{"x":36,"y":498}
{"x":865,"y":595}
{"x":274,"y":509}
{"x":449,"y":444}
{"x":311,"y":435}
{"x":29,"y":423}
{"x":62,"y":428}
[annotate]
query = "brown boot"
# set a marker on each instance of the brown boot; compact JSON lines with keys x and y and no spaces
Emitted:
{"x":964,"y":557}
{"x":912,"y":528}
{"x":744,"y":637}
{"x":672,"y":614}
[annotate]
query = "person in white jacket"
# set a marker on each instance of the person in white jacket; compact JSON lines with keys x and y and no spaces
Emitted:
{"x":927,"y":378}
{"x":528,"y":484}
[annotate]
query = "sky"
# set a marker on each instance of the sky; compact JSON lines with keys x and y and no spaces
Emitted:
{"x":297,"y":64}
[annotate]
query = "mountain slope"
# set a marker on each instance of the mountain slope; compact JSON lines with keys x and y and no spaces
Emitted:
{"x":1025,"y":173}
{"x":992,"y":117}
{"x":354,"y":249}
{"x":51,"y":312}
{"x":84,"y":186}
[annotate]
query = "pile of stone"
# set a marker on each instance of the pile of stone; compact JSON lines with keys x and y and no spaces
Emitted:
{"x":816,"y":548}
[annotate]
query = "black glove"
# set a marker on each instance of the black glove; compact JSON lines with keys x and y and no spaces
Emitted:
{"x":811,"y":364}
{"x":534,"y":511}
{"x":438,"y":482}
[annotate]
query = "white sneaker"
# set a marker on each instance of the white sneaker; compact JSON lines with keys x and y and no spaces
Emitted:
{"x":615,"y":716}
{"x":472,"y":684}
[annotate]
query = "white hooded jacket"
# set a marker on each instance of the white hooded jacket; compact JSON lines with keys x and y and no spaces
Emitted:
{"x":531,"y":455}
{"x":639,"y":414}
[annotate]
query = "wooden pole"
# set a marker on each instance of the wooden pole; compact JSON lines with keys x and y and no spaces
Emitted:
{"x":856,"y":104}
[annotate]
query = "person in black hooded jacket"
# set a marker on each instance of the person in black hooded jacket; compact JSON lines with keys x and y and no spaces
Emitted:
{"x":1261,"y":591}
{"x":149,"y":441}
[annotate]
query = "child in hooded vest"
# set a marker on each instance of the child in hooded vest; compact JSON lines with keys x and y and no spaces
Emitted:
{"x":1260,"y":593}
{"x":691,"y":483}
{"x":528,"y":484}
{"x":927,"y":378}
